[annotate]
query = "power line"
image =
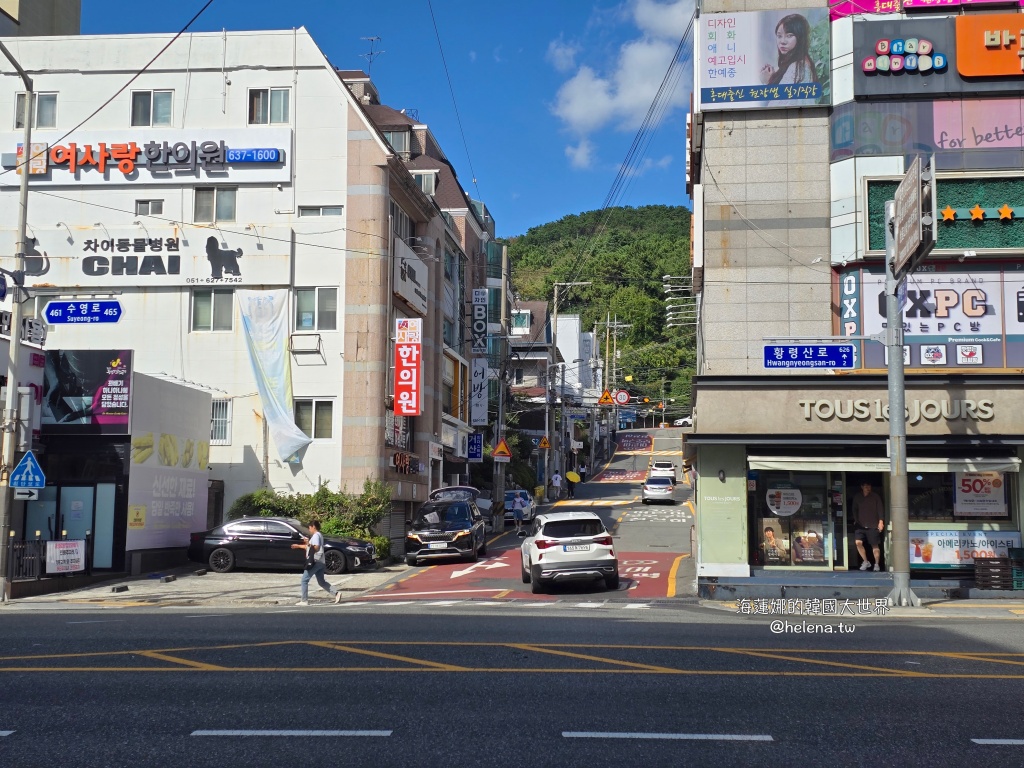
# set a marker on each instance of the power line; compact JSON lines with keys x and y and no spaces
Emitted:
{"x":27,"y":154}
{"x":455,"y":104}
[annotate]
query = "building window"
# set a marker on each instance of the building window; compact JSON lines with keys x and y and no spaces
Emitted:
{"x":46,"y":111}
{"x":315,"y":418}
{"x":215,"y":204}
{"x":220,"y":426}
{"x":427,"y":182}
{"x":268,"y":106}
{"x":319,"y":210}
{"x":448,"y":332}
{"x":519,"y":375}
{"x":149,"y":207}
{"x":212,"y":309}
{"x":316,"y":309}
{"x":449,"y":265}
{"x":520,"y":323}
{"x":151,"y":108}
{"x":399,"y":141}
{"x":401,"y":225}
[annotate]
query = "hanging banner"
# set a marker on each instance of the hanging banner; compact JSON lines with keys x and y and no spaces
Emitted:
{"x":265,"y":320}
{"x":65,"y":556}
{"x":979,"y":494}
{"x":408,"y":366}
{"x":87,"y":391}
{"x":478,"y":397}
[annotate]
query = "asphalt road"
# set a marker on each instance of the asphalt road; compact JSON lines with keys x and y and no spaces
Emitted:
{"x":428,"y":685}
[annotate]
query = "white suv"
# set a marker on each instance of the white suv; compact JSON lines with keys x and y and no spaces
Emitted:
{"x":568,"y":546}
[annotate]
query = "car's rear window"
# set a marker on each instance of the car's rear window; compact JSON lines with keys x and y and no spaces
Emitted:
{"x":560,"y":529}
{"x":663,"y":465}
{"x":659,"y":481}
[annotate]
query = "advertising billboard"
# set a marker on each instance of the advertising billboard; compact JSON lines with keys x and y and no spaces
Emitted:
{"x":957,"y":319}
{"x":408,"y":366}
{"x":87,"y":391}
{"x":764,"y":60}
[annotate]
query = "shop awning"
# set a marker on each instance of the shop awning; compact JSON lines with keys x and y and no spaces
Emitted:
{"x":866,"y":464}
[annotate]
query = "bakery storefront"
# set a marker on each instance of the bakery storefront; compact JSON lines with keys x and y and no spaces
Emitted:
{"x":779,"y":462}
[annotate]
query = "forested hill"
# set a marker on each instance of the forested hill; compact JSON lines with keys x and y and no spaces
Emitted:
{"x":623,"y":252}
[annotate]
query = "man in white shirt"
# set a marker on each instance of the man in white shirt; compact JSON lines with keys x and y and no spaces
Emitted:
{"x":556,"y":483}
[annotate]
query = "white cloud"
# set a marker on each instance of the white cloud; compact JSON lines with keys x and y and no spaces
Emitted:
{"x":562,"y":55}
{"x":649,"y":164}
{"x":472,"y":56}
{"x":497,"y":55}
{"x":592,"y":100}
{"x":582,"y":155}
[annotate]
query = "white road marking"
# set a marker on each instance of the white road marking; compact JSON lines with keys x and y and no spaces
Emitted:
{"x":436,"y":592}
{"x":680,"y":736}
{"x":444,"y":602}
{"x":481,"y":565}
{"x":206,"y":616}
{"x":302,"y":734}
{"x":5,"y":733}
{"x":1000,"y":742}
{"x":632,"y":605}
{"x":101,"y":621}
{"x":590,"y":605}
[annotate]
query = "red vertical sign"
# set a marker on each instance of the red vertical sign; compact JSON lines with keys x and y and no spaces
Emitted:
{"x":408,"y":366}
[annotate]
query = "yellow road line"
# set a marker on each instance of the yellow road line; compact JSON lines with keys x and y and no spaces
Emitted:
{"x":587,"y":657}
{"x":672,"y":576}
{"x":388,"y":656}
{"x":185,"y":662}
{"x":693,"y":509}
{"x":978,"y":657}
{"x":844,"y":665}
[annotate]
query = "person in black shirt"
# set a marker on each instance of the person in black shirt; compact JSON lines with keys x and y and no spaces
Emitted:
{"x":869,"y":515}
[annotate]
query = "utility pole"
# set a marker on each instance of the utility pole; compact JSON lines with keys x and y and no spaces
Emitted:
{"x":498,"y":503}
{"x":557,"y":445}
{"x":607,"y":362}
{"x":14,"y":350}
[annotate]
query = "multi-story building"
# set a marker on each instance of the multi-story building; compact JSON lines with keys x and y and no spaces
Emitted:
{"x":795,"y":149}
{"x":32,"y":18}
{"x":267,"y":242}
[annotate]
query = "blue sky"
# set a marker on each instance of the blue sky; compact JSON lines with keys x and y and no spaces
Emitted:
{"x":550,"y":93}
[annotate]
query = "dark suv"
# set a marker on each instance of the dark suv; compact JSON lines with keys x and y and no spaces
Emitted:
{"x":451,"y":527}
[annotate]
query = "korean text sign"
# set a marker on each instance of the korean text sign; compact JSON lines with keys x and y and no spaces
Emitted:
{"x":764,"y":59}
{"x":408,"y":366}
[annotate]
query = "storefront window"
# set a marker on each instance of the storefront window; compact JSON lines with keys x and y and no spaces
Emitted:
{"x":790,"y":518}
{"x":959,"y":496}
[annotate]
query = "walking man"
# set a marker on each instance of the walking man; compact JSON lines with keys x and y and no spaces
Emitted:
{"x":583,"y":473}
{"x":556,"y":483}
{"x":869,"y":515}
{"x":518,"y":505}
{"x":315,"y":564}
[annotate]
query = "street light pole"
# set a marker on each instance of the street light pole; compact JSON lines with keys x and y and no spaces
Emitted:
{"x":14,"y":349}
{"x":557,"y":446}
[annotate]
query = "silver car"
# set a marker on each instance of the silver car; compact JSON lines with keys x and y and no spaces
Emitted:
{"x":658,"y":488}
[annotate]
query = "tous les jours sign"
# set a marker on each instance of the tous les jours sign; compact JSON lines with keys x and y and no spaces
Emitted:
{"x":916,"y":410}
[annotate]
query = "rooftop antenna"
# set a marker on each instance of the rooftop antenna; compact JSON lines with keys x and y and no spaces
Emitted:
{"x":372,"y":54}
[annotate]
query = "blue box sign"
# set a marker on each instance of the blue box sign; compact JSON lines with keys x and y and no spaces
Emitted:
{"x":476,"y":447}
{"x":66,"y":312}
{"x":809,"y":356}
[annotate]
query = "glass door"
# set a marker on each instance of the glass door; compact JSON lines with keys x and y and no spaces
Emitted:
{"x":41,"y":515}
{"x":76,"y":510}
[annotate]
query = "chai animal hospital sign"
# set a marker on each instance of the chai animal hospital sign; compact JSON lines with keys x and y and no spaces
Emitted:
{"x":764,"y":59}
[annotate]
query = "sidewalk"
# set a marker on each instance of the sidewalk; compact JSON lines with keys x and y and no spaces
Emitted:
{"x":227,"y":589}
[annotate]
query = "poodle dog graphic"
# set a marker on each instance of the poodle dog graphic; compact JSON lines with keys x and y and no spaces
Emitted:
{"x":221,"y":260}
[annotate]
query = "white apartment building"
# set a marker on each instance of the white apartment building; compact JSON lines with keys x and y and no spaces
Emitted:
{"x":242,"y":207}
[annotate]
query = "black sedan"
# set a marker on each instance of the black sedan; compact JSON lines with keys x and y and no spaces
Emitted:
{"x":266,"y":542}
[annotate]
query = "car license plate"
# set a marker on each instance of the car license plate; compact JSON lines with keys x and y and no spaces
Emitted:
{"x":437,"y":545}
{"x":577,"y":547}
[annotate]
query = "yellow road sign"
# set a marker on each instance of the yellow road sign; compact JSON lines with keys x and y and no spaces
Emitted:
{"x":544,"y":442}
{"x":606,"y":398}
{"x":501,"y":450}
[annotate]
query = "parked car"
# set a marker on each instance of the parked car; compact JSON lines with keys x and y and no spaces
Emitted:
{"x":658,"y":488}
{"x":446,"y":527}
{"x":663,"y":469}
{"x":528,"y":510}
{"x":266,"y":542}
{"x":686,"y":421}
{"x":568,"y":546}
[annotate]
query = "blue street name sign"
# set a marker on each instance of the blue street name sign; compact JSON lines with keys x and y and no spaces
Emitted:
{"x":809,"y":356}
{"x":476,"y":447}
{"x":67,"y":312}
{"x":28,"y":473}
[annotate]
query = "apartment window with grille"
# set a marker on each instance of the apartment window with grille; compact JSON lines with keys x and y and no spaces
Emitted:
{"x":45,"y":112}
{"x":151,"y":108}
{"x":315,"y":418}
{"x":268,"y":106}
{"x":316,"y":309}
{"x":214,"y":204}
{"x":212,"y":309}
{"x":220,"y":426}
{"x":149,"y":207}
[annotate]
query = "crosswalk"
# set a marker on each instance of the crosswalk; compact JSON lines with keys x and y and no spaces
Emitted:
{"x":520,"y":604}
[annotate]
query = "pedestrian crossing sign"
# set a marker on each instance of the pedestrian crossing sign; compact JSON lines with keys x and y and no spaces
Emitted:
{"x":28,"y":473}
{"x":606,"y":398}
{"x":544,"y":442}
